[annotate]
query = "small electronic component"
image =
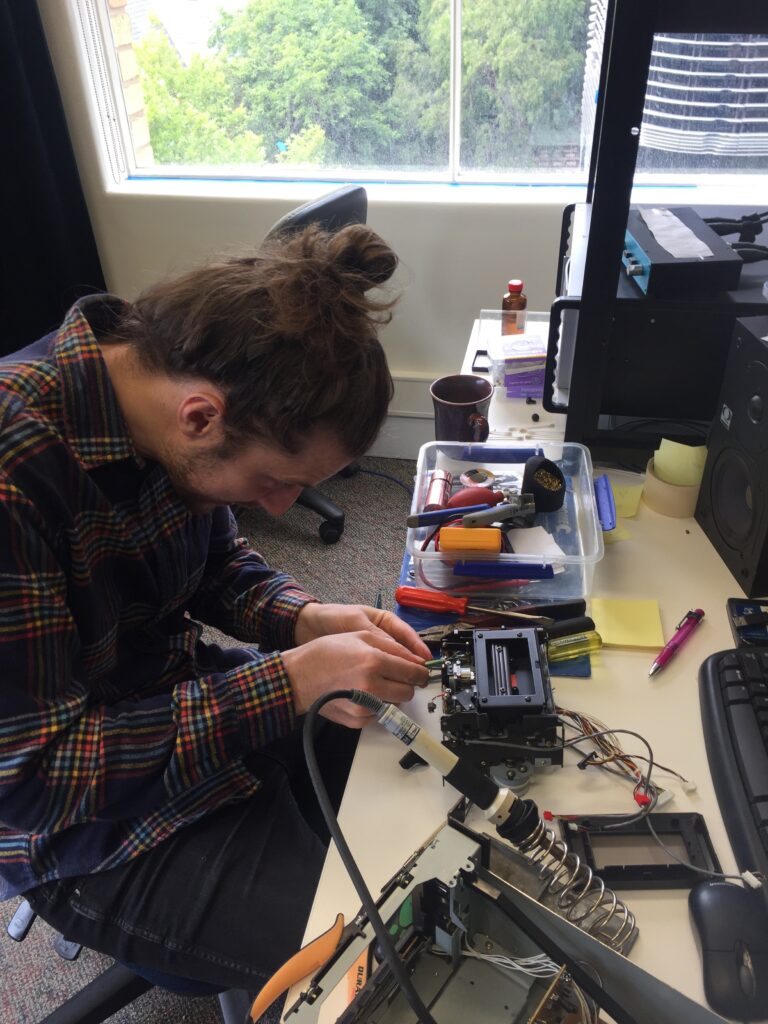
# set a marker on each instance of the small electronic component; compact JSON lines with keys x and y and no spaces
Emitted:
{"x":748,"y":620}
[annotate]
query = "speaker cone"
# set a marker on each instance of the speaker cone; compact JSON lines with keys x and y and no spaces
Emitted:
{"x":732,"y":498}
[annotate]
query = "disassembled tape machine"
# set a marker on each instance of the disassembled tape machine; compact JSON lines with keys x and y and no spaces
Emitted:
{"x":453,"y":935}
{"x":481,"y":944}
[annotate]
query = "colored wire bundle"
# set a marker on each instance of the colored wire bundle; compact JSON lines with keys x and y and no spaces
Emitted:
{"x":608,"y":753}
{"x":610,"y":757}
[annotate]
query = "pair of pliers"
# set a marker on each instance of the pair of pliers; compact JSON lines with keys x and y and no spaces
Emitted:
{"x":306,"y":962}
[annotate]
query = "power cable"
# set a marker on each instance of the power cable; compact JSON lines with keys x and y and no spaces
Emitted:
{"x":386,"y":944}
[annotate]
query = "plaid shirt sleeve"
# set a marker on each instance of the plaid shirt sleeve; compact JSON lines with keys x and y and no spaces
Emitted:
{"x":71,"y":752}
{"x":241,"y":595}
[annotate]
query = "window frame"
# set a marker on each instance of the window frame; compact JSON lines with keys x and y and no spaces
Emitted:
{"x":112,"y":132}
{"x":100,"y":54}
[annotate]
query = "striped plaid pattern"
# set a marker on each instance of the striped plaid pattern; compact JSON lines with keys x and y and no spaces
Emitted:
{"x":116,"y":726}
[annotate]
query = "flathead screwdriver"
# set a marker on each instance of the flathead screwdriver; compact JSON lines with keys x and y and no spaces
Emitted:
{"x":428,"y":600}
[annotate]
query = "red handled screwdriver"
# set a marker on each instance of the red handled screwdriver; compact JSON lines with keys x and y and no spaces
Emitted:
{"x":429,"y":600}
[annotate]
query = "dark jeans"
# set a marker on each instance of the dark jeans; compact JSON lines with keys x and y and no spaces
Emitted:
{"x":225,"y":900}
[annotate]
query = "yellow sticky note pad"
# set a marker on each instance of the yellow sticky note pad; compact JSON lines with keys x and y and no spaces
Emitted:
{"x":623,"y":622}
{"x":627,"y":499}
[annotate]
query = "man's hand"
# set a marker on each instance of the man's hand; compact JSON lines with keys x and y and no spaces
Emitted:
{"x":316,"y":620}
{"x":368,"y":659}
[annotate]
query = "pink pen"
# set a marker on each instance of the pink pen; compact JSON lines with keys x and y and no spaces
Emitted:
{"x":683,"y":630}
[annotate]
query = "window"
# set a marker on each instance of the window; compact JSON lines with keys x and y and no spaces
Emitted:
{"x":706,"y":103}
{"x":441,"y":90}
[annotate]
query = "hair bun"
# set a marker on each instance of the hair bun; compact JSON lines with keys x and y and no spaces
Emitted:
{"x":358,"y":249}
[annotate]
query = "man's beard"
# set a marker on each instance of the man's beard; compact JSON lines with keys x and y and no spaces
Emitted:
{"x":183,"y":470}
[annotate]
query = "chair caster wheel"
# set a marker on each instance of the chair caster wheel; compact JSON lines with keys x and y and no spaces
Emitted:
{"x":329,"y":533}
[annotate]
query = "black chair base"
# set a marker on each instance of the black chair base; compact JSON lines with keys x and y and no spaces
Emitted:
{"x":332,"y":527}
{"x":105,"y":995}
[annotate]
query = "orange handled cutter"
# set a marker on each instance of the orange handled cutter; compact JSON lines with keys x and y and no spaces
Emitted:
{"x":307,"y":961}
{"x":430,"y":601}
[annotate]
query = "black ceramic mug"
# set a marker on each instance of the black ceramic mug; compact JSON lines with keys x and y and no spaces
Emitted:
{"x":461,"y":404}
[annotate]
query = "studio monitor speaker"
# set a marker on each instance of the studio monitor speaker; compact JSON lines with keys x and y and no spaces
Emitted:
{"x":732,"y":508}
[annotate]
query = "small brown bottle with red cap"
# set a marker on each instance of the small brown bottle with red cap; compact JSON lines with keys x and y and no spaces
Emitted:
{"x":513,"y":307}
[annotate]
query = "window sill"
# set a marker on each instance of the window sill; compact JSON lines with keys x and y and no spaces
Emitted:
{"x":743,"y":192}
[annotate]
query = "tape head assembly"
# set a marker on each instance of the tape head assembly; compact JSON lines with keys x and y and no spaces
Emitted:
{"x":497,"y":704}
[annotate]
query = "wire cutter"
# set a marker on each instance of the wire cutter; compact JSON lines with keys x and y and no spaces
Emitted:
{"x":307,"y":961}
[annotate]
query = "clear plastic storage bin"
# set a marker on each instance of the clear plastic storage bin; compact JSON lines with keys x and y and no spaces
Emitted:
{"x":562,"y":574}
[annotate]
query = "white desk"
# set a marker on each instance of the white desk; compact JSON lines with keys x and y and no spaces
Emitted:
{"x":387,"y":813}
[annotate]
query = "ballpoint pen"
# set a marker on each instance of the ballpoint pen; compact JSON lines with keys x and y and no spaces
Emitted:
{"x":683,"y":630}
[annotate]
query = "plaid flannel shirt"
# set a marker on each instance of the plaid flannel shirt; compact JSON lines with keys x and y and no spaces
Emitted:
{"x":117,"y":725}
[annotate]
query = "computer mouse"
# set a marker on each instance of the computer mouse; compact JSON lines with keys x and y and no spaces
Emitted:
{"x":730,"y":923}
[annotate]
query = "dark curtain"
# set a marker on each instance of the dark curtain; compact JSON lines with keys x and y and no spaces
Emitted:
{"x":48,"y":254}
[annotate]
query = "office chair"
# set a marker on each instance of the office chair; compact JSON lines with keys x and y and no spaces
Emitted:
{"x":345,"y":205}
{"x":121,"y":983}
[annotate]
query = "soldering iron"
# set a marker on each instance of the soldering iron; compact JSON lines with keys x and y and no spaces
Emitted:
{"x":583,"y":897}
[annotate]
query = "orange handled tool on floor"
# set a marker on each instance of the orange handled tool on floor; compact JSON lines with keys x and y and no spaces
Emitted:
{"x":431,"y":601}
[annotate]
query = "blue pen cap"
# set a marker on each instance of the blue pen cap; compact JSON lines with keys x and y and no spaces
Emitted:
{"x":606,"y":506}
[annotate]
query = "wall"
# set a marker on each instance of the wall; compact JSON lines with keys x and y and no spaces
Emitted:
{"x":458,"y":246}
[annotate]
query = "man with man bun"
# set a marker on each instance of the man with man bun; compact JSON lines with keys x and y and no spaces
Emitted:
{"x":153,"y":800}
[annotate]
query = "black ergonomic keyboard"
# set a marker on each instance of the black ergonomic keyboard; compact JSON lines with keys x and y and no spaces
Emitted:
{"x":733,"y":692}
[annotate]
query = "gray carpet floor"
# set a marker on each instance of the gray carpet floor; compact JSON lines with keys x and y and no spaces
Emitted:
{"x":365,"y":563}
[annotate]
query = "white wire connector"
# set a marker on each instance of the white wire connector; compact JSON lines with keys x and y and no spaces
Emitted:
{"x":664,"y":797}
{"x":688,"y":786}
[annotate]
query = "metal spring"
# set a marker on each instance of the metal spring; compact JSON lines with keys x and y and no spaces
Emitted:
{"x":578,"y":892}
